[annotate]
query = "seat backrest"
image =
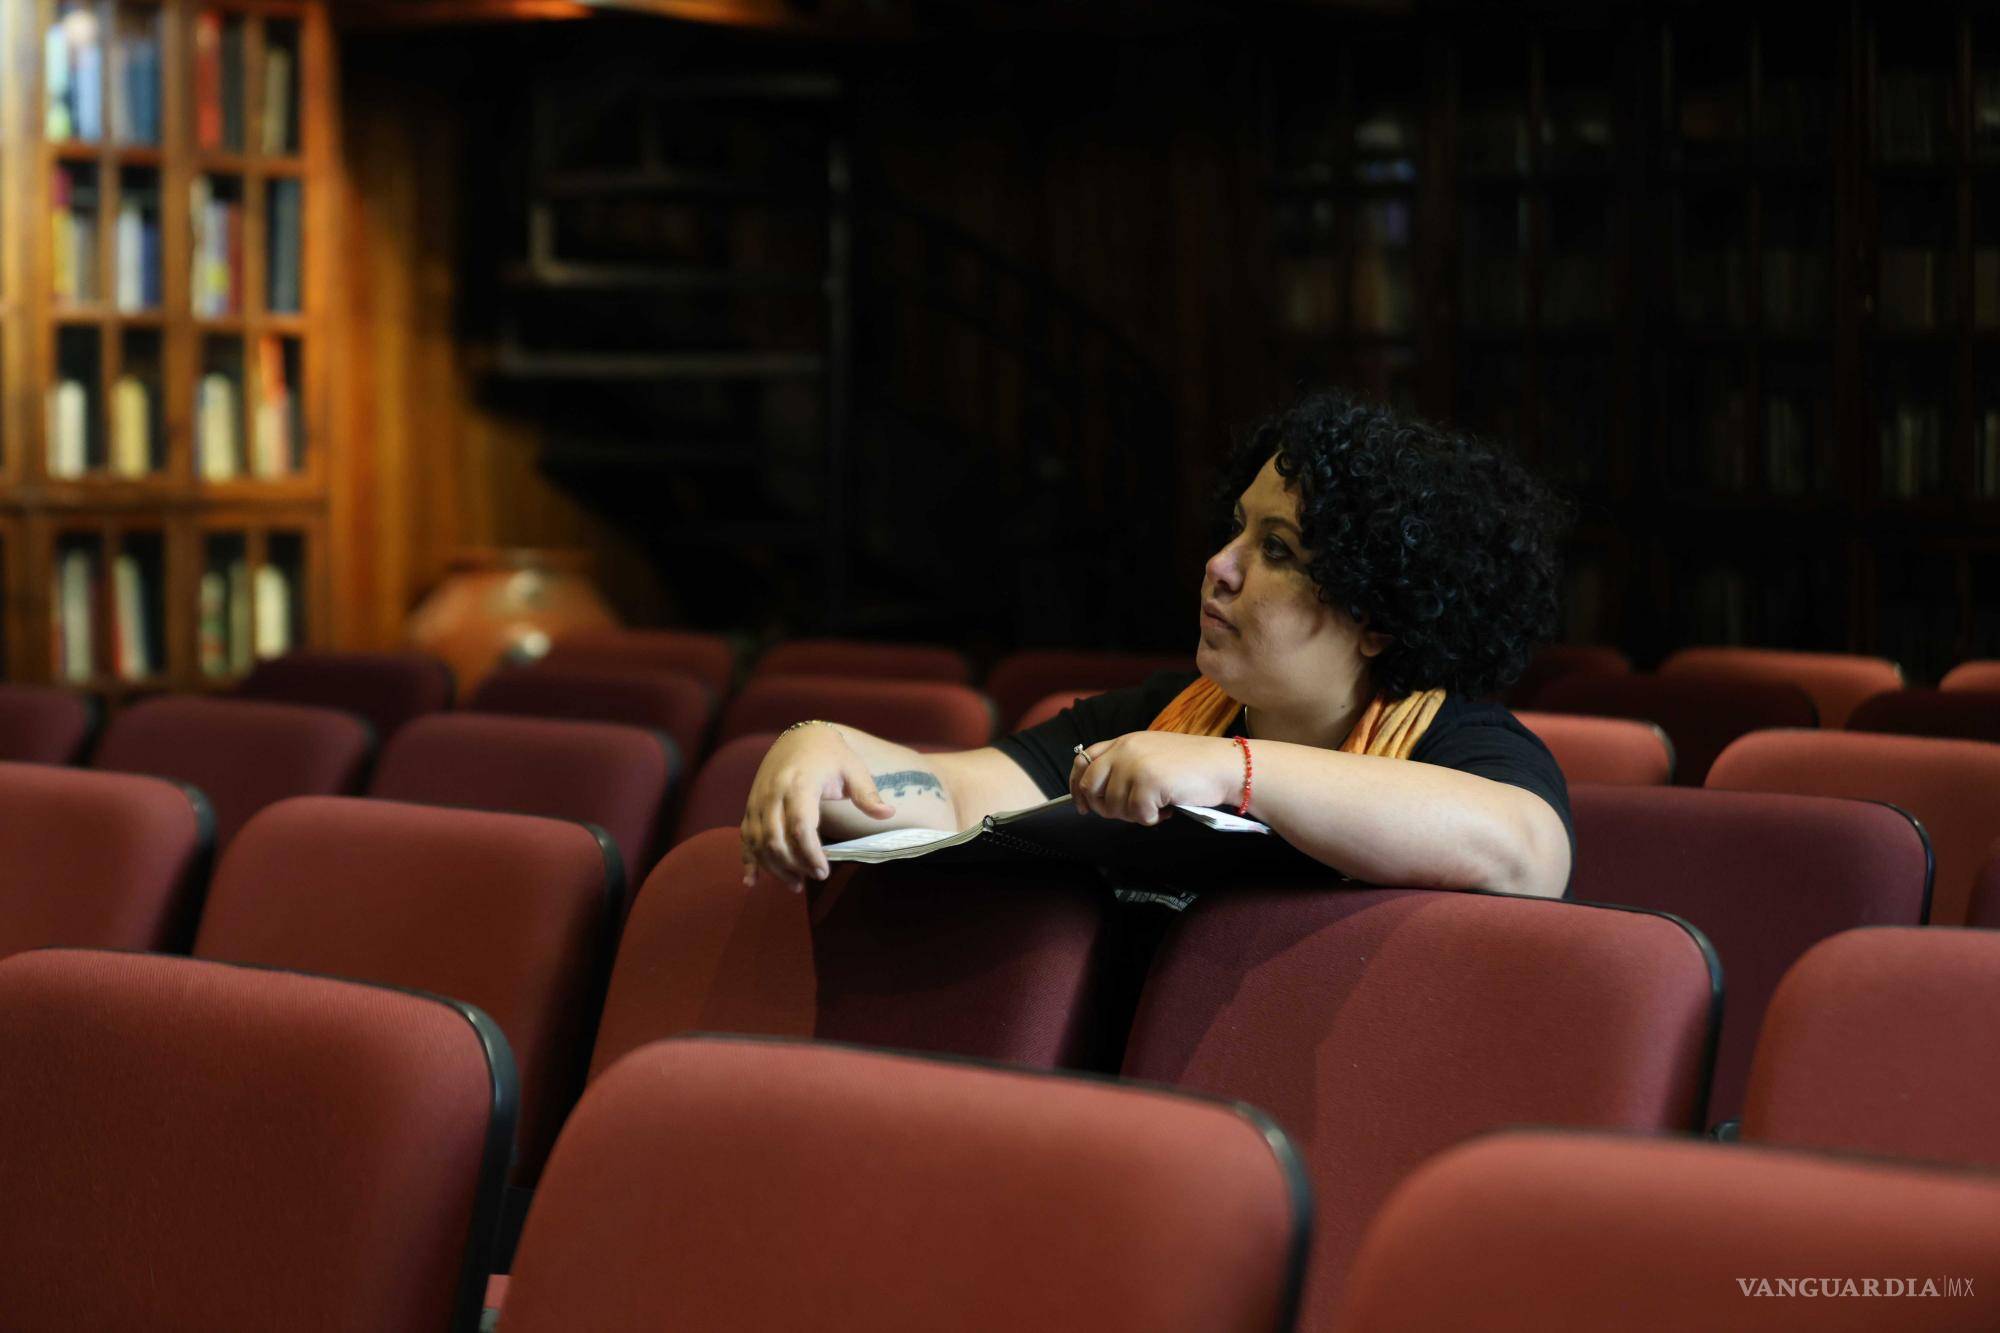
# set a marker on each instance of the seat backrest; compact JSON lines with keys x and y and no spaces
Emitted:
{"x":1612,"y":750}
{"x":957,"y":716}
{"x":861,"y":659}
{"x":1836,"y":681}
{"x":1577,"y":1233}
{"x":99,"y":860}
{"x":615,"y":777}
{"x":718,"y":793}
{"x":507,"y":912}
{"x":43,"y":725}
{"x":388,"y":689}
{"x":1379,"y":1026}
{"x":1972,"y":715}
{"x":1556,"y":660}
{"x":903,"y":1195}
{"x":1951,"y":787}
{"x":1021,"y":679}
{"x":672,"y":702}
{"x":241,"y":755}
{"x":1764,"y":876}
{"x":203,"y":1147}
{"x":1882,"y":1041}
{"x":1983,"y":676}
{"x":1045,"y":709}
{"x":1000,"y":965}
{"x":1700,"y":715}
{"x":709,"y":658}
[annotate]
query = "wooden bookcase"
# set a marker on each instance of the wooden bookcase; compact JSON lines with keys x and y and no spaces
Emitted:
{"x":166,"y":244}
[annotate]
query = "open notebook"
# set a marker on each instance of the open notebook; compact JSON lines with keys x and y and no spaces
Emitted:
{"x":1056,"y":828}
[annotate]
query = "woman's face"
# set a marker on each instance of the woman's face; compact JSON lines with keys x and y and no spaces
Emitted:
{"x":1266,"y":637}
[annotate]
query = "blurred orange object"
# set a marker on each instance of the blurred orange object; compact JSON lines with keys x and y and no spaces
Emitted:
{"x":495,"y":607}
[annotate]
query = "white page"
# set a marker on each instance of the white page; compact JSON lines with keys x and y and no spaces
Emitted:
{"x":891,"y":840}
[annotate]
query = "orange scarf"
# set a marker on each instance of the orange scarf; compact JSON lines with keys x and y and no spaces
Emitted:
{"x":1388,"y":728}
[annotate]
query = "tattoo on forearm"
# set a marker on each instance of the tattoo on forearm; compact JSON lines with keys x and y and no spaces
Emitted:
{"x":909,"y":782}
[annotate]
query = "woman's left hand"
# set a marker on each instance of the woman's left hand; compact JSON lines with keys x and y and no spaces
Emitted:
{"x":1137,"y":777}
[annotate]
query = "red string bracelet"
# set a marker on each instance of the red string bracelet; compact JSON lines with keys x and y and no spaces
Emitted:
{"x":1244,"y":809}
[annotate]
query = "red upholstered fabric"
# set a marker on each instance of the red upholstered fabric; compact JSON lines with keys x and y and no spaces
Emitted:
{"x":1952,"y":787}
{"x":1573,"y":1233}
{"x":673,"y":703}
{"x":1612,"y":750}
{"x":241,"y":755}
{"x":39,"y":725}
{"x":1045,"y":709}
{"x":1984,"y":910}
{"x":211,"y":1149}
{"x":98,"y":860}
{"x":507,"y":912}
{"x":957,"y":716}
{"x":1836,"y":681}
{"x":388,"y":689}
{"x":762,"y":1185}
{"x":721,"y":789}
{"x":998,"y":965}
{"x":865,"y":660}
{"x":1020,"y":680}
{"x":1556,"y":660}
{"x":1972,"y":715}
{"x":615,"y":777}
{"x":1380,"y":1026}
{"x":709,"y":658}
{"x":1700,"y":715}
{"x":1764,"y":876}
{"x":1882,"y":1041}
{"x":1982,"y":676}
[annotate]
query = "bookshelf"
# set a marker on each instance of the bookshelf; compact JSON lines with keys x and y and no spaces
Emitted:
{"x":171,"y":382}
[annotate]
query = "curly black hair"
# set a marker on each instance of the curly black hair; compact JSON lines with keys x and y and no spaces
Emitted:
{"x":1441,"y":540}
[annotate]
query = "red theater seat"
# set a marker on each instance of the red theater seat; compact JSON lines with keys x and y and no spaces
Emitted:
{"x":1951,"y":787}
{"x":1882,"y":1041}
{"x":508,"y":912}
{"x":998,"y":965}
{"x":98,"y":860}
{"x":1610,"y":750}
{"x":1380,"y":1026}
{"x":1836,"y":681}
{"x":1764,"y":876}
{"x":236,"y":1150}
{"x":1984,"y":910}
{"x":617,"y":778}
{"x":241,"y":755}
{"x":719,"y":792}
{"x":1020,"y":679}
{"x":677,"y":705}
{"x":1045,"y":709}
{"x":1972,"y":715}
{"x":767,"y":1185}
{"x":864,"y":660}
{"x":387,"y":689}
{"x":1556,"y":660}
{"x":1580,"y":1233}
{"x":1699,"y":715}
{"x":1982,"y":676}
{"x":954,"y":716}
{"x":39,"y":725}
{"x":709,"y":658}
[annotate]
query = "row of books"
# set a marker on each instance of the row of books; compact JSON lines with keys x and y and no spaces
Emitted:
{"x":216,"y":281}
{"x":73,"y":70}
{"x":77,"y":601}
{"x":273,"y":440}
{"x":219,"y":89}
{"x":244,"y":615}
{"x":130,"y":452}
{"x":1912,"y":451}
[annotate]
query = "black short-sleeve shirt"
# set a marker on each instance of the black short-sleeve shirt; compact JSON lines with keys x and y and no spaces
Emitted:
{"x":1472,"y":736}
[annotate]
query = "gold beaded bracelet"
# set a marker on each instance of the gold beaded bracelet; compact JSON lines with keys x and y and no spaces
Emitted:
{"x":809,"y":722}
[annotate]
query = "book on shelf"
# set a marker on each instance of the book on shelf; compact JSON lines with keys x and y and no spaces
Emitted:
{"x":215,"y":283}
{"x":1787,"y":457}
{"x":135,"y":81}
{"x":273,"y":612}
{"x":278,"y":103}
{"x":208,"y":81}
{"x":87,"y":79}
{"x":73,"y":77}
{"x":232,"y":87}
{"x":1191,"y":836}
{"x":131,"y":427}
{"x":69,"y":429}
{"x":72,"y":237}
{"x":240,"y":622}
{"x":1909,"y":287}
{"x":273,"y":448}
{"x":128,"y":618}
{"x":1910,"y":455}
{"x":212,"y":630}
{"x":138,"y":247}
{"x":218,"y":417}
{"x":286,"y":246}
{"x":76,"y":616}
{"x":58,"y":122}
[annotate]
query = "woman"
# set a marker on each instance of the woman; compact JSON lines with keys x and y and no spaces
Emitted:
{"x":1379,"y":580}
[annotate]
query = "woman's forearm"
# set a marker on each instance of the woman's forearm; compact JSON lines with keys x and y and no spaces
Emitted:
{"x":903,"y":778}
{"x":1396,"y":822}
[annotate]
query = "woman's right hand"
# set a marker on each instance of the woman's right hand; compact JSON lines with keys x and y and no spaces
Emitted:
{"x":781,"y":820}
